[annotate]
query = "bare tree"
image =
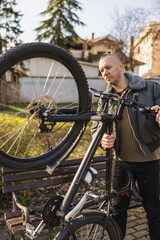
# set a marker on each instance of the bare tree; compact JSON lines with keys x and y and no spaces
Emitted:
{"x":129,"y":22}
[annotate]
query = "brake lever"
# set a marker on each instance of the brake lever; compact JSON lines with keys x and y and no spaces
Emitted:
{"x":105,"y":96}
{"x":96,"y":92}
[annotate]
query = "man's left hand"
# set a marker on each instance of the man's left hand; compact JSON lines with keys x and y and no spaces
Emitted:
{"x":157,"y":109}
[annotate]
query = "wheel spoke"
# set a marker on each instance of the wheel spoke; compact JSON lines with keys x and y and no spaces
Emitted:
{"x":19,"y":135}
{"x":47,"y":78}
{"x":62,"y":80}
{"x":55,"y":77}
{"x":29,"y":145}
{"x":91,"y":232}
{"x":14,"y":133}
{"x":10,"y":86}
{"x":9,"y":119}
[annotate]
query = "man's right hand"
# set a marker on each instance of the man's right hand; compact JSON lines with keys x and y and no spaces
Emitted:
{"x":107,"y":140}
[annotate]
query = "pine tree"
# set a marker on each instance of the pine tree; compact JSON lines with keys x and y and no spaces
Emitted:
{"x":58,"y":28}
{"x":9,"y":36}
{"x":10,"y":28}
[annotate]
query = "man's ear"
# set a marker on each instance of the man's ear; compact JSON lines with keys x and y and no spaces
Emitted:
{"x":121,"y":65}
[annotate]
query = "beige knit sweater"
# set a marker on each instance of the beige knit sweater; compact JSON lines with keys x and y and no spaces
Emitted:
{"x":129,"y":148}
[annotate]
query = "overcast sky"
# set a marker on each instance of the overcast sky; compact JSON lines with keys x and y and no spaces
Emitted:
{"x":96,"y":15}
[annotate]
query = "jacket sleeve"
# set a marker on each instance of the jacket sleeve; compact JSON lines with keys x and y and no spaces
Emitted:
{"x":156,"y":93}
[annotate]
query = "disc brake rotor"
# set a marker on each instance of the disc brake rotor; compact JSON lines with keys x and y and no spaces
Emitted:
{"x":38,"y":105}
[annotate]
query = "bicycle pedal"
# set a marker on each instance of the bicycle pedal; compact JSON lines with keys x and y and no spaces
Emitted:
{"x":92,"y":195}
{"x":29,"y":230}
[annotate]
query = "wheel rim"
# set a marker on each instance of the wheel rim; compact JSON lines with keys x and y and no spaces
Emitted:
{"x":40,"y":82}
{"x":91,"y":232}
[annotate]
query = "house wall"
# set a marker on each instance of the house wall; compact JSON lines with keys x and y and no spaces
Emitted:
{"x":80,"y":54}
{"x":102,"y":47}
{"x":77,"y":53}
{"x":147,"y":50}
{"x":99,"y":47}
{"x":156,"y":54}
{"x":143,"y":53}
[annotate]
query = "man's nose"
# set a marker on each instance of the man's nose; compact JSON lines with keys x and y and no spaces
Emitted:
{"x":105,"y":72}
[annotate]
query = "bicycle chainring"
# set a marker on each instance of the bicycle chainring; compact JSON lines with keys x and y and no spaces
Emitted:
{"x":49,"y":211}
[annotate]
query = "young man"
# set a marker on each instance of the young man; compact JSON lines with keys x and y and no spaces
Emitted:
{"x":139,"y":142}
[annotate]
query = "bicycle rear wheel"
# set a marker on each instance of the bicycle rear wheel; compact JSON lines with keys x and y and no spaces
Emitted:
{"x":34,"y":77}
{"x":90,"y":226}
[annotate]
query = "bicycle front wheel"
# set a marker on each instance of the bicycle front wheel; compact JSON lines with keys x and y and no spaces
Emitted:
{"x":90,"y":226}
{"x":35,"y":77}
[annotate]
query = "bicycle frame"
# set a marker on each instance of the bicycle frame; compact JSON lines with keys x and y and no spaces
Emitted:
{"x":105,"y":125}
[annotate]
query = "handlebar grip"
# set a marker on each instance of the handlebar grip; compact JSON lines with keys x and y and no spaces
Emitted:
{"x":148,"y":111}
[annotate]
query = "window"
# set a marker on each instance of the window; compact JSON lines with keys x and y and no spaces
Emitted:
{"x":100,"y":53}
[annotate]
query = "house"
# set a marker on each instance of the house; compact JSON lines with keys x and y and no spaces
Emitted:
{"x":91,"y":50}
{"x":146,"y":49}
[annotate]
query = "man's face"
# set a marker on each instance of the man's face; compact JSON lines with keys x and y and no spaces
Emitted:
{"x":111,"y":70}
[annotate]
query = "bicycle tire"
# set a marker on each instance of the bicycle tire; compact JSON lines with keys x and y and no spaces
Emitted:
{"x":94,"y":220}
{"x":27,"y":147}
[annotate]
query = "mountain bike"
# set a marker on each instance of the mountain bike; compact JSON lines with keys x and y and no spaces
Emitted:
{"x":45,"y":106}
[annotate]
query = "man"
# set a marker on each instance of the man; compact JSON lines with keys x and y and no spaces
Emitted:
{"x":139,"y":142}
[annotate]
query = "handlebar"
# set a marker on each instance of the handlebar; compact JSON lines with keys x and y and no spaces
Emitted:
{"x":73,"y":115}
{"x":134,"y":104}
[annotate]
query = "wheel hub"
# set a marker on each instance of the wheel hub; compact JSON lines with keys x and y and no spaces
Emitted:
{"x":36,"y":107}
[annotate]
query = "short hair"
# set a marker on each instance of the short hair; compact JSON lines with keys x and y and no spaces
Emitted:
{"x":112,"y":55}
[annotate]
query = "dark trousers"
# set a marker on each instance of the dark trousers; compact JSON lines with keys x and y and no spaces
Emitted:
{"x":147,"y":176}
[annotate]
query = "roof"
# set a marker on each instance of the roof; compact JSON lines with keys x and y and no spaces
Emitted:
{"x":106,"y":37}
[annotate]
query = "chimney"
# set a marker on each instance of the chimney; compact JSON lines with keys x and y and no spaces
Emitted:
{"x":131,"y":53}
{"x":131,"y":46}
{"x":92,"y":37}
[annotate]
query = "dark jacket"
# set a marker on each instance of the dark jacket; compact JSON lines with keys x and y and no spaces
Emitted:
{"x":146,"y":130}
